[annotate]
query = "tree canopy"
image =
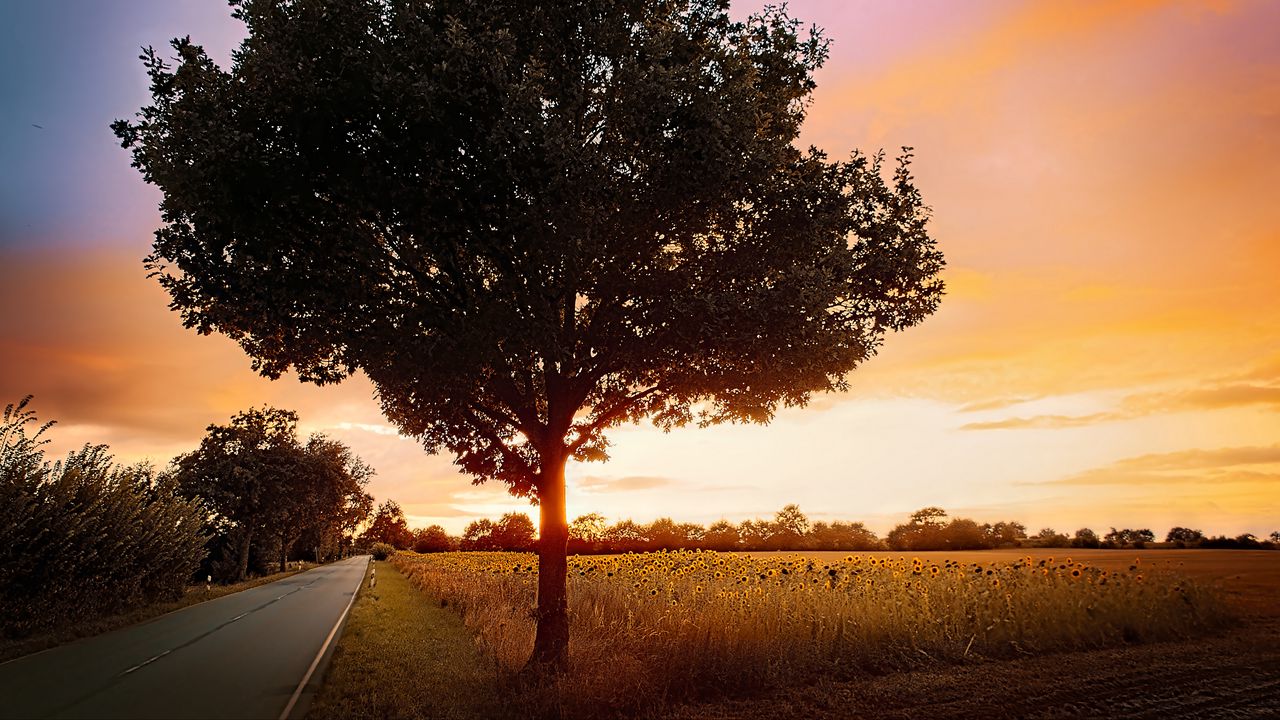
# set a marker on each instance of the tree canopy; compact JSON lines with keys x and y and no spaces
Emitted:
{"x":527,"y":223}
{"x":389,"y":526}
{"x":259,"y":480}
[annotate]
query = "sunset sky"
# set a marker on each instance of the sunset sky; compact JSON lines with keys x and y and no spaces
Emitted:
{"x":1105,"y":181}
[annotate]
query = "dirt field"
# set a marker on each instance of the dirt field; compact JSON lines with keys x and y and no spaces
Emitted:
{"x":1235,"y":675}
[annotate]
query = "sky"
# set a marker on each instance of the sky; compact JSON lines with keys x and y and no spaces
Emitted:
{"x":1104,"y":183}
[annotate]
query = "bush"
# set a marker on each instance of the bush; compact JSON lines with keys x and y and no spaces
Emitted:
{"x":382,"y":551}
{"x":84,"y":537}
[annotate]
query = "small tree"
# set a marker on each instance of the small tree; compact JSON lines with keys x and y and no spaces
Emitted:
{"x":247,"y":473}
{"x":432,"y":539}
{"x":754,"y":534}
{"x":721,"y":535}
{"x":528,"y":223}
{"x":587,"y":532}
{"x":389,"y":526}
{"x":1182,"y":536}
{"x":790,"y":526}
{"x":1050,"y":538}
{"x":664,"y":534}
{"x":853,"y":536}
{"x":625,"y":536}
{"x":1006,"y":533}
{"x":479,"y":535}
{"x":514,"y":531}
{"x":1085,"y":538}
{"x":929,"y":516}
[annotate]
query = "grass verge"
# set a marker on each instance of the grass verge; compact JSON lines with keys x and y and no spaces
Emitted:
{"x":17,"y":647}
{"x":403,"y":655}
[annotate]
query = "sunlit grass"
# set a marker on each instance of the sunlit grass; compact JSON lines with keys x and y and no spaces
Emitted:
{"x":403,"y":656}
{"x":684,"y":624}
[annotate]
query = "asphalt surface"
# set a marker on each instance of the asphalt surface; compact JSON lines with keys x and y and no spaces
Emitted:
{"x":239,"y":656}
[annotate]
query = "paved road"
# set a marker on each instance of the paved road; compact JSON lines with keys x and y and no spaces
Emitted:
{"x":240,"y":656}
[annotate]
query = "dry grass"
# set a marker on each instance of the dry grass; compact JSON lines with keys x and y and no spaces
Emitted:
{"x":195,"y":594}
{"x":653,"y":628}
{"x":403,"y":656}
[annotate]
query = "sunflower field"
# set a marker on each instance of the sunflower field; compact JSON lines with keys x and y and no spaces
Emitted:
{"x":682,"y":624}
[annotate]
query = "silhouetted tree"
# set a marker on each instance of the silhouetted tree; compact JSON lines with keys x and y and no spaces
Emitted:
{"x":922,"y":531}
{"x":329,"y":501}
{"x":721,"y":535}
{"x":840,"y":535}
{"x":514,"y":531}
{"x":479,"y":535}
{"x":1050,"y":538}
{"x":962,"y":534}
{"x":432,"y":539}
{"x":389,"y":526}
{"x":929,"y":516}
{"x":754,"y":534}
{"x":625,"y":536}
{"x":1128,"y":537}
{"x":587,"y":533}
{"x":1183,"y":536}
{"x":663,"y":533}
{"x":1006,"y":534}
{"x":247,"y":473}
{"x":927,"y":531}
{"x":528,"y":223}
{"x":1085,"y":538}
{"x":790,"y":526}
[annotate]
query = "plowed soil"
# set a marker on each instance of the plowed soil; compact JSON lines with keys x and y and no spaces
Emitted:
{"x":1233,"y":675}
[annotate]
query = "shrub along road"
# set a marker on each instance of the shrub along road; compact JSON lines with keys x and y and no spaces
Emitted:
{"x":255,"y":654}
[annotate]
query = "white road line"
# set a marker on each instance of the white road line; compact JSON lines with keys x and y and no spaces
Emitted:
{"x":297,"y":693}
{"x":146,"y":662}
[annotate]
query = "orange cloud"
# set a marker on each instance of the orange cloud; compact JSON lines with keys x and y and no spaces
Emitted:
{"x":596,"y":483}
{"x":1187,"y":466}
{"x":1135,"y":406}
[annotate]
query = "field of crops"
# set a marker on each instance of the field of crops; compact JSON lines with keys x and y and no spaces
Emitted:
{"x":686,"y":624}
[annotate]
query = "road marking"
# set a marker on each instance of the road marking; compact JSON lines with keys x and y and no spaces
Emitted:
{"x":144,"y":663}
{"x":297,"y":693}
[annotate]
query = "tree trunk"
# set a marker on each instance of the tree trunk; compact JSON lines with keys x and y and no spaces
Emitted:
{"x":245,"y":542}
{"x":551,"y":644}
{"x":284,"y":554}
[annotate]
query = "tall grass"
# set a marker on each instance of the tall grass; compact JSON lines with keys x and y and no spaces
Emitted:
{"x":84,"y":537}
{"x":652,"y":627}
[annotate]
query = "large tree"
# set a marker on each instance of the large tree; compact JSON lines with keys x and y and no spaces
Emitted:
{"x":245,"y":471}
{"x":331,"y":495}
{"x":527,"y":223}
{"x":389,"y":526}
{"x":259,"y":480}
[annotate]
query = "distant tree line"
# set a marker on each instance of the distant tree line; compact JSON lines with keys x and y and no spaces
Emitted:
{"x":790,"y":529}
